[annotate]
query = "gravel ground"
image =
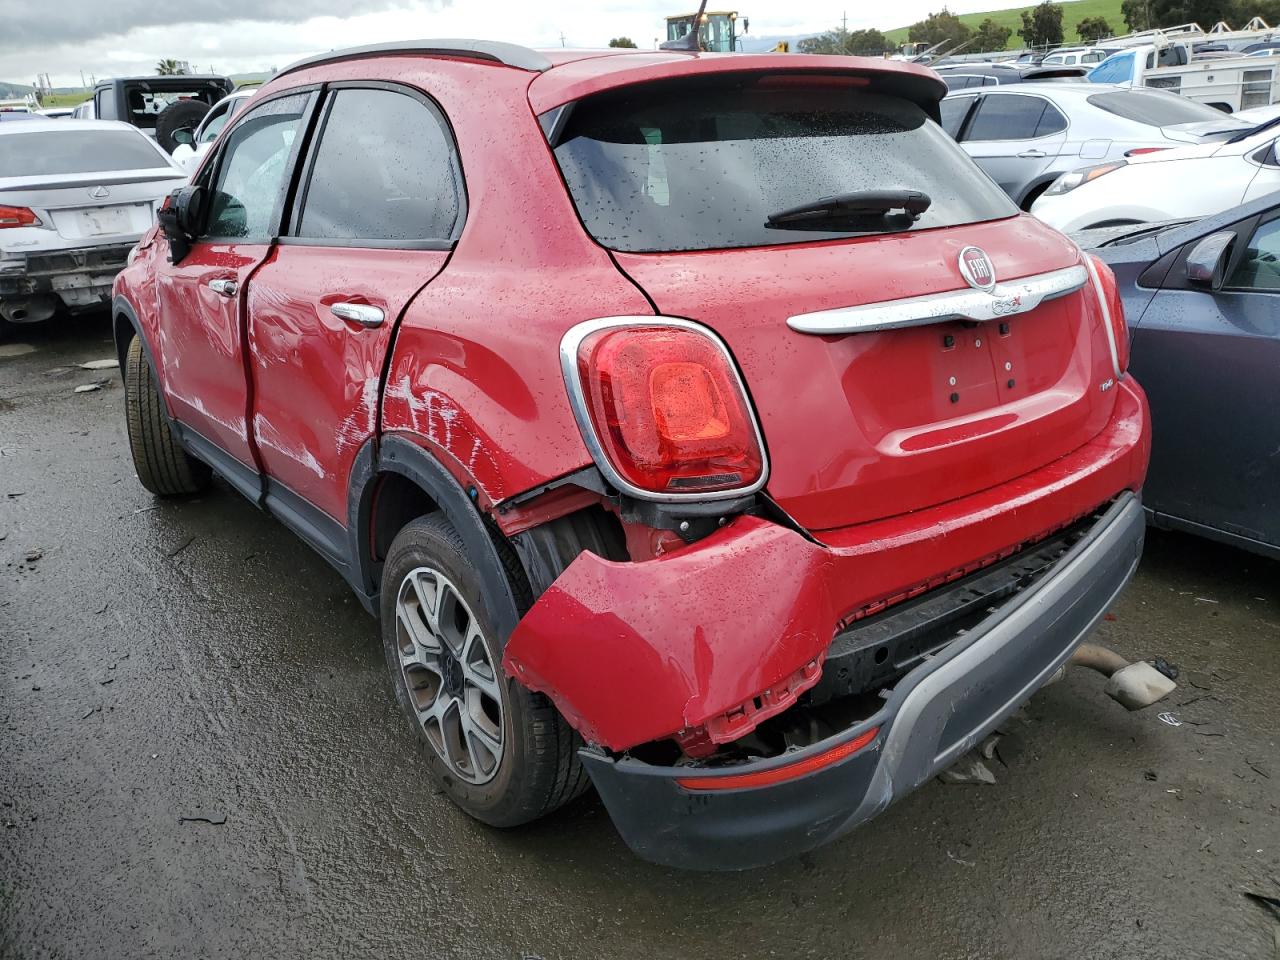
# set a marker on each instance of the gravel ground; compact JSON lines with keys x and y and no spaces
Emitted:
{"x":200,"y":757}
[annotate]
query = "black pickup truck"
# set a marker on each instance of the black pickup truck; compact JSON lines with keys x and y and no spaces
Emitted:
{"x":165,"y":107}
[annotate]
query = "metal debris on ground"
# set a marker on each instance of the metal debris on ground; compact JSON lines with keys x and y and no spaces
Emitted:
{"x":1170,"y":719}
{"x":33,"y":555}
{"x":89,"y":387}
{"x":108,"y":364}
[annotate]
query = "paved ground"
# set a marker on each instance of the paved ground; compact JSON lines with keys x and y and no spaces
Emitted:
{"x":167,"y":661}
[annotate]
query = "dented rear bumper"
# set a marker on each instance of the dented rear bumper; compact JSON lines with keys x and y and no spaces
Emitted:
{"x":711,"y":640}
{"x":680,"y":817}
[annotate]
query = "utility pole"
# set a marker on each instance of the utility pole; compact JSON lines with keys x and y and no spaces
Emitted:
{"x":562,"y":38}
{"x":844,"y":20}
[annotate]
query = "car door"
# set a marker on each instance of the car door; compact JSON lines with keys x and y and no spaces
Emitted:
{"x":380,"y":203}
{"x":1014,"y":137}
{"x":201,"y":298}
{"x":1210,"y":363}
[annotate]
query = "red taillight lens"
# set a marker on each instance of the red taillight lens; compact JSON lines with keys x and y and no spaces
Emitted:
{"x":1104,"y":284}
{"x":667,"y":409}
{"x":790,"y":771}
{"x":17,"y":217}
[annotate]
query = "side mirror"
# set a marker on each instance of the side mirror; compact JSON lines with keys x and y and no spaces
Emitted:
{"x":180,"y":219}
{"x":1207,"y":261}
{"x":185,"y":135}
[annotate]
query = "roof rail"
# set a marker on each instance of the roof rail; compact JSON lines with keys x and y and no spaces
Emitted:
{"x":507,"y":54}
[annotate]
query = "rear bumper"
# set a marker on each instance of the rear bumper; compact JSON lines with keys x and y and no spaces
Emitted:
{"x":934,"y":715}
{"x":79,"y":276}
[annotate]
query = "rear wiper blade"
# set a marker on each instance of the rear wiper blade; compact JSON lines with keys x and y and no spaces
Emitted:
{"x":1246,"y":134}
{"x":860,"y":203}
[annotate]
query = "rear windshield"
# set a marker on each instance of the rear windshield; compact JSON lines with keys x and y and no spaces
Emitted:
{"x":701,"y":165}
{"x":147,"y":100}
{"x":75,"y":151}
{"x":1157,"y":109}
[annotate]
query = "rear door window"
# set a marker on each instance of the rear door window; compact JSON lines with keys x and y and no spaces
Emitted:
{"x":1012,"y":116}
{"x":954,"y":110}
{"x":696,"y":165}
{"x":385,"y":170}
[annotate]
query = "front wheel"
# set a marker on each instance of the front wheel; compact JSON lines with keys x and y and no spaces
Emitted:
{"x":163,"y":466}
{"x":500,"y":751}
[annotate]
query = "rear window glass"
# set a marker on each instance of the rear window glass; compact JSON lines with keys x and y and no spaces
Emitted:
{"x":146,"y":101}
{"x":1156,"y":109}
{"x":702,"y":165}
{"x":75,"y":151}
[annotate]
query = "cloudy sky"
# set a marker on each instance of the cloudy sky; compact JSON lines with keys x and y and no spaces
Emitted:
{"x":119,"y":37}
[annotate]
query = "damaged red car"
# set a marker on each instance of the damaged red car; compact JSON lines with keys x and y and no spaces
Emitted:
{"x":708,"y":429}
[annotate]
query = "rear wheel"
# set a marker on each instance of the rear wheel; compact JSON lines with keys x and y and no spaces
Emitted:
{"x":163,"y":466}
{"x":500,"y":751}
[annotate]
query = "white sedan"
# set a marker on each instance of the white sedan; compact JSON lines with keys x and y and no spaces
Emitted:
{"x":74,"y":199}
{"x":1174,"y":184}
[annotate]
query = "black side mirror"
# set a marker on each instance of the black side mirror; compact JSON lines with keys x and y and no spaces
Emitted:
{"x":1207,"y":261}
{"x":180,"y":219}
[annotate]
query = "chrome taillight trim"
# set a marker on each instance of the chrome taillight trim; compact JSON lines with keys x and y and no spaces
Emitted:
{"x":1005,"y":300}
{"x":569,"y":344}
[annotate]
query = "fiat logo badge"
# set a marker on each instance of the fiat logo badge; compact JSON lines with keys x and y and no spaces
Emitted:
{"x":99,"y":193}
{"x":977,"y":269}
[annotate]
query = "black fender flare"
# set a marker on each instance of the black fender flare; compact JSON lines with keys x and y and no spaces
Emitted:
{"x":395,"y":454}
{"x":120,"y":307}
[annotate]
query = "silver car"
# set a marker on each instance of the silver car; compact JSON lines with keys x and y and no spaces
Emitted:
{"x":1025,"y":136}
{"x":74,"y":199}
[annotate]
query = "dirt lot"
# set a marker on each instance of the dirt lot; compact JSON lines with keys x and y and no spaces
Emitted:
{"x":200,"y":758}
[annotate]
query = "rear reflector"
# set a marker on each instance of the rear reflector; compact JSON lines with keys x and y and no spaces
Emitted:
{"x":17,"y":217}
{"x":790,"y":771}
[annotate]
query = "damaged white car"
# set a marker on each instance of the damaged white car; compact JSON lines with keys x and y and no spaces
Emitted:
{"x":74,"y":199}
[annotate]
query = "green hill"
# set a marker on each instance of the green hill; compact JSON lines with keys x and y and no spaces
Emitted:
{"x":1073,"y":11}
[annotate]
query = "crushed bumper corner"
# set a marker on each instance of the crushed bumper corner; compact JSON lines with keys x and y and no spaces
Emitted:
{"x":933,"y":716}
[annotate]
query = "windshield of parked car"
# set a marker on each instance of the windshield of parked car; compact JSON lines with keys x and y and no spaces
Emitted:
{"x":64,"y":151}
{"x":1115,"y":69}
{"x":1158,"y":109}
{"x":700,"y":165}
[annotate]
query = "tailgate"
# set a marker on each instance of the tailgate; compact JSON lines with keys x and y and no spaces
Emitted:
{"x":866,"y":425}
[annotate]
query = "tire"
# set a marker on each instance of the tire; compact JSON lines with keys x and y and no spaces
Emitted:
{"x":163,"y":466}
{"x":182,"y":114}
{"x":537,"y":768}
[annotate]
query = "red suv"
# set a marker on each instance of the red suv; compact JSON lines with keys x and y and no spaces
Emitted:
{"x":708,"y":428}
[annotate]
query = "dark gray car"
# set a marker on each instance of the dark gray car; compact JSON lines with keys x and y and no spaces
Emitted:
{"x":1203,"y":304}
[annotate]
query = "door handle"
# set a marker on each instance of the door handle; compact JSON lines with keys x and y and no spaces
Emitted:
{"x":1031,"y":154}
{"x":361,"y":313}
{"x":227,"y":288}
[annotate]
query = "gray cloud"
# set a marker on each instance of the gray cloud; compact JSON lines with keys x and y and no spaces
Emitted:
{"x":78,"y":21}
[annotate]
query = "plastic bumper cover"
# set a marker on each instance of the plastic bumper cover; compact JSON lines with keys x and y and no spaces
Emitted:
{"x":934,"y":715}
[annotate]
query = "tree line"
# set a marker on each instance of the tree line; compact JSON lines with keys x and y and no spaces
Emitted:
{"x":1042,"y":26}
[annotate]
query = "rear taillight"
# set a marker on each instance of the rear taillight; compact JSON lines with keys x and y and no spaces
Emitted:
{"x":662,"y":408}
{"x":781,"y":774}
{"x":1104,"y":286}
{"x":17,"y":217}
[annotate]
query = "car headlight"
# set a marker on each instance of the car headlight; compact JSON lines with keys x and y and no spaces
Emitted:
{"x":133,"y":254}
{"x":1069,"y":181}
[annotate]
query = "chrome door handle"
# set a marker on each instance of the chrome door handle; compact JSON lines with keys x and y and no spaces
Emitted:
{"x":1029,"y":154}
{"x":361,"y":313}
{"x":227,"y":288}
